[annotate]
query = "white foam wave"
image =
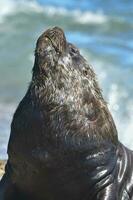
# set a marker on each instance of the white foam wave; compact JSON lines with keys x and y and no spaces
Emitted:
{"x":89,"y":17}
{"x":77,"y":15}
{"x":6,"y":110}
{"x":6,"y":113}
{"x":124,"y":124}
{"x":123,"y":116}
{"x":6,"y":7}
{"x":9,"y":7}
{"x":113,"y":98}
{"x":127,"y":129}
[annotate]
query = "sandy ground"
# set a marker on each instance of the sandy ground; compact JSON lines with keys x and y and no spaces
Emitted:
{"x":2,"y":167}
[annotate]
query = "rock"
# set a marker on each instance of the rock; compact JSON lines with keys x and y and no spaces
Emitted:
{"x":2,"y":167}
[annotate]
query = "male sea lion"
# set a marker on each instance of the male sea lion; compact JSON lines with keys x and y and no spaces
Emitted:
{"x":63,"y":143}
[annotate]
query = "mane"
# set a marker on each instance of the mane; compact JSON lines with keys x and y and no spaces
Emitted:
{"x":76,"y":105}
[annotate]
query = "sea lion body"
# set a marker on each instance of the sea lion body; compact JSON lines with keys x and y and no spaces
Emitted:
{"x":63,"y":142}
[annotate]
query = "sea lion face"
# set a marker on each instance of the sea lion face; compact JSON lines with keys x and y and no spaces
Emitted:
{"x":70,"y":85}
{"x":62,"y":67}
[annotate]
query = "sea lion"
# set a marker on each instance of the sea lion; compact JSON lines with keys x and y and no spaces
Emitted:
{"x":63,"y":143}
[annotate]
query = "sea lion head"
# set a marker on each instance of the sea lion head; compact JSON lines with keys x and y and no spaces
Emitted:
{"x":70,"y":87}
{"x":53,"y":52}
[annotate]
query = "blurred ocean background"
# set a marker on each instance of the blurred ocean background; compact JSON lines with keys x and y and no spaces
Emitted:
{"x":103,"y":31}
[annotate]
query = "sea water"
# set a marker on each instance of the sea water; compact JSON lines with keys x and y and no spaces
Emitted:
{"x":102,"y":30}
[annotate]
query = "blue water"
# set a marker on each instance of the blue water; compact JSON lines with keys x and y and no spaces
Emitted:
{"x":103,"y":31}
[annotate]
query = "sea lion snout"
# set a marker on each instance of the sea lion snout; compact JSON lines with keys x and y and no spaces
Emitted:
{"x":50,"y":46}
{"x":57,"y":37}
{"x":54,"y":37}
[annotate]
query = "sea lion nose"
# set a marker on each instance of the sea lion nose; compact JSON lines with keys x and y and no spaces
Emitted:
{"x":57,"y":37}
